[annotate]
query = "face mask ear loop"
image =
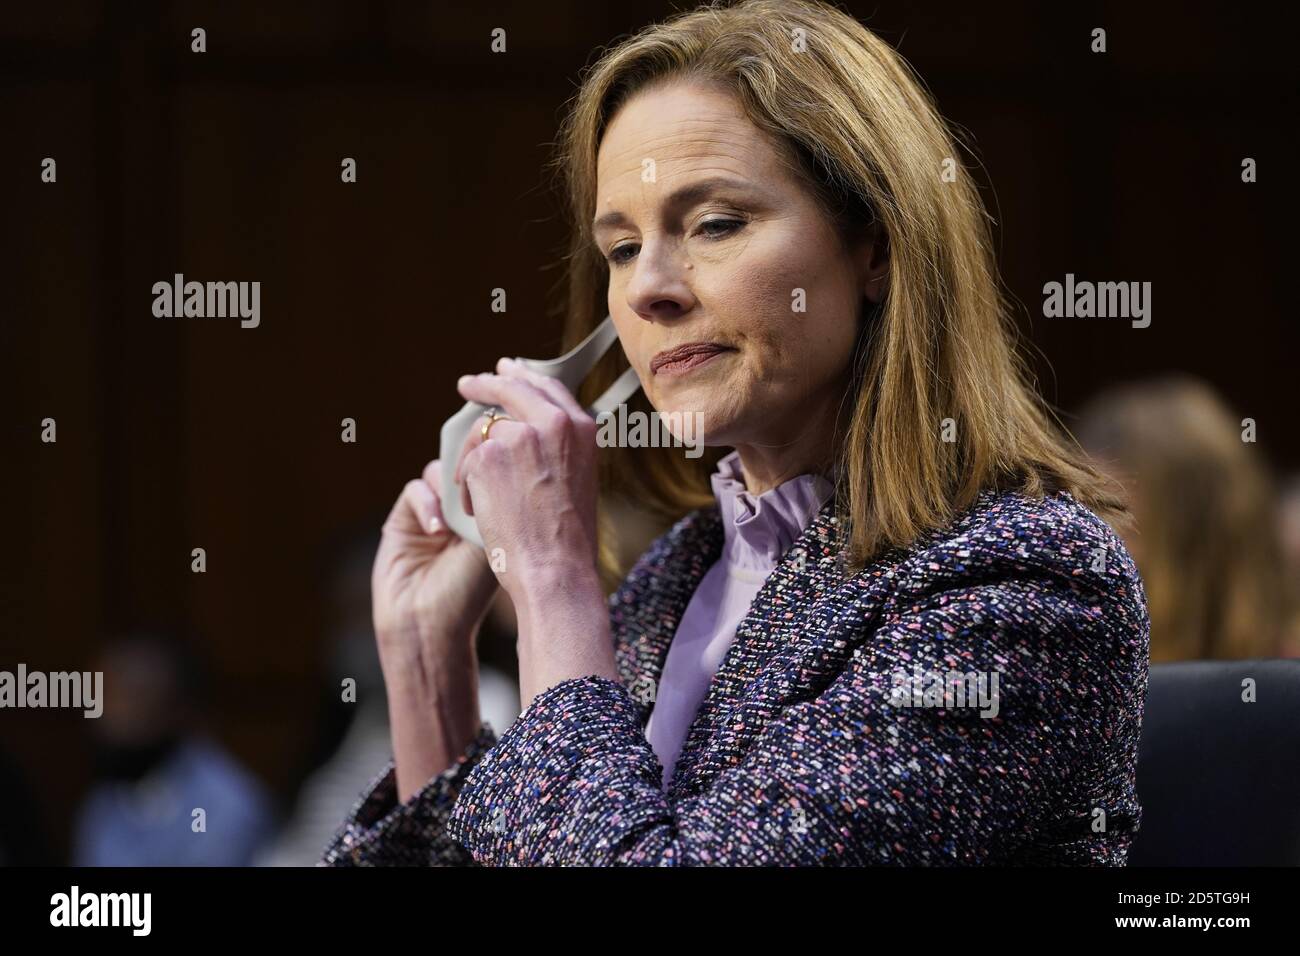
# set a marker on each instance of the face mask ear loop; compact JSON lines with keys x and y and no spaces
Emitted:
{"x":572,"y":369}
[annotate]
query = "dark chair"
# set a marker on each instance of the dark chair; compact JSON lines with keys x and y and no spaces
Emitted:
{"x":1219,"y":779}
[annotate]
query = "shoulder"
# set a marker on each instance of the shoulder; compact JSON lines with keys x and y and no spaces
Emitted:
{"x":1011,"y":532}
{"x":1044,"y":576}
{"x":1029,"y":559}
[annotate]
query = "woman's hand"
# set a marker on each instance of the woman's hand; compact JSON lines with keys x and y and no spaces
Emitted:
{"x":430,"y":591}
{"x":426,"y":579}
{"x":531,"y":487}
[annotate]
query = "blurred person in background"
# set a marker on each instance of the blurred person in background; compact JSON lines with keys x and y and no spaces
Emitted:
{"x":1205,"y":531}
{"x":155,"y":765}
{"x":1289,"y":522}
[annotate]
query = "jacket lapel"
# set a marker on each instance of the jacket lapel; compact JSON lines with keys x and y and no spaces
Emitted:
{"x":656,"y":599}
{"x":774,"y":621}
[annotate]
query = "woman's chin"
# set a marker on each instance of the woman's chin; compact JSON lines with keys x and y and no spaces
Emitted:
{"x":703,"y":424}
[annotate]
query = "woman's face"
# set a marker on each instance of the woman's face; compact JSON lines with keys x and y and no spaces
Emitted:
{"x":710,"y":239}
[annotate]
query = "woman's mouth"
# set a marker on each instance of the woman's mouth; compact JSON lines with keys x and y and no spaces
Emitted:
{"x":686,"y":358}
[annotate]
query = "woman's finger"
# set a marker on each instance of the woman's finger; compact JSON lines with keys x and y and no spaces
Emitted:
{"x":552,"y":387}
{"x":525,"y":403}
{"x":522,"y":400}
{"x":500,"y":430}
{"x":425,"y":505}
{"x":412,"y":511}
{"x":433,"y":518}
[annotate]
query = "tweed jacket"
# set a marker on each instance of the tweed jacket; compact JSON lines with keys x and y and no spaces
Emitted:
{"x":819,"y":741}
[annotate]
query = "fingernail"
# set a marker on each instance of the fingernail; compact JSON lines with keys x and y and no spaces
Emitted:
{"x":434,"y":525}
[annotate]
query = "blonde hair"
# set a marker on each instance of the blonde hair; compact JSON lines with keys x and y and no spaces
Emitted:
{"x":1208,"y":547}
{"x":869,"y":143}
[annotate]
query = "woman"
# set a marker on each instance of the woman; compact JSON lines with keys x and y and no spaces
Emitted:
{"x":764,"y":203}
{"x":1209,"y":547}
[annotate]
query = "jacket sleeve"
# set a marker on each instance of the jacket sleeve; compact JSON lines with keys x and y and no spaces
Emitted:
{"x":847,"y":777}
{"x":381,"y":832}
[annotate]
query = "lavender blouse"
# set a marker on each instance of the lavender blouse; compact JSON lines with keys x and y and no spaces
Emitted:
{"x":757,"y":531}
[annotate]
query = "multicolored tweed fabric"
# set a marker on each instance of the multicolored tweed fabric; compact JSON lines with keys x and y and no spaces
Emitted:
{"x":821,"y":740}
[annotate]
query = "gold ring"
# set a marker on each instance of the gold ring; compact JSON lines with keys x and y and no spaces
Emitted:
{"x":493,"y":418}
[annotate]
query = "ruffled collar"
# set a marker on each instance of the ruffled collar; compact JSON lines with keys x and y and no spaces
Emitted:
{"x":760,"y":528}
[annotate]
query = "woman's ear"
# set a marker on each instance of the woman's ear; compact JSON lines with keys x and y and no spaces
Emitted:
{"x":874,"y":253}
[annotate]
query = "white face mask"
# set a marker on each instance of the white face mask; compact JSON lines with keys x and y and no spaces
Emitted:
{"x":572,"y":369}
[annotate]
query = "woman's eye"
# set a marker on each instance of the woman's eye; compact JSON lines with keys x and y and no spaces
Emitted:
{"x":717,"y":228}
{"x":710,"y":229}
{"x":616,"y":256}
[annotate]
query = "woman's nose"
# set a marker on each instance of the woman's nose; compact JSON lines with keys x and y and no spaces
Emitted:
{"x":660,"y":285}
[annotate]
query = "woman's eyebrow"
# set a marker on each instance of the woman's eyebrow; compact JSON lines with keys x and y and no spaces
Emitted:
{"x":678,"y":198}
